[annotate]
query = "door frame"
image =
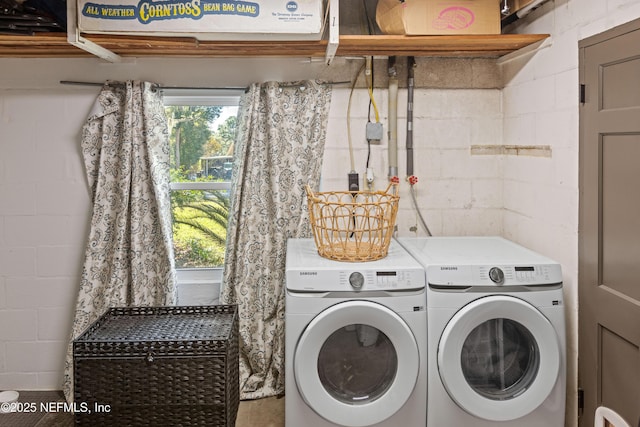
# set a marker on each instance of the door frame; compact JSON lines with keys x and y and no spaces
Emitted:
{"x":589,"y":246}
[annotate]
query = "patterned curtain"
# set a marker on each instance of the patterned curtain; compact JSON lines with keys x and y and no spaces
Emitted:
{"x":129,"y":256}
{"x":279,"y":148}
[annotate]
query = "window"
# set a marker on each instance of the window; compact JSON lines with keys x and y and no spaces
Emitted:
{"x":201,"y":133}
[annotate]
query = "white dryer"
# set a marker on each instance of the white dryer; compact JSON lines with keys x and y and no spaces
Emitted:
{"x":496,"y":333}
{"x":356,"y":340}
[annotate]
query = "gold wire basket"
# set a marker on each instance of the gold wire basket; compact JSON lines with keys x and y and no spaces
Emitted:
{"x":353,"y":226}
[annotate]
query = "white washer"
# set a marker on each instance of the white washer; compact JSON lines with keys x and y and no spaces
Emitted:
{"x":356,"y":340}
{"x":496,"y":333}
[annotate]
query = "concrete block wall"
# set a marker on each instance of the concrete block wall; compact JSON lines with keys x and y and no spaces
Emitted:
{"x":458,"y":193}
{"x":44,"y":206}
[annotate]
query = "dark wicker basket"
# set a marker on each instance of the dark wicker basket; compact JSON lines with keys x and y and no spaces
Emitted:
{"x":158,"y":366}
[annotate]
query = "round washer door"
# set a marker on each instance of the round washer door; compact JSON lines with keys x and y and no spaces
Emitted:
{"x":499,"y":358}
{"x":356,"y":363}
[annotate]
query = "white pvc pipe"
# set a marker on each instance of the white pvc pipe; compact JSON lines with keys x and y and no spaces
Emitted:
{"x":393,"y":124}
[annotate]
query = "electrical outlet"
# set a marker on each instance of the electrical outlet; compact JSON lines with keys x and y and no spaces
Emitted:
{"x":374,"y":131}
{"x":354,"y":182}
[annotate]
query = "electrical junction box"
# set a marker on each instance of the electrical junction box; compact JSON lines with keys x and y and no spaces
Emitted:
{"x":205,"y":19}
{"x":374,"y":131}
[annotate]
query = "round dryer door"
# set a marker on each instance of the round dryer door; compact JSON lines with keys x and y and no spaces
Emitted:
{"x":356,"y":363}
{"x":499,"y":358}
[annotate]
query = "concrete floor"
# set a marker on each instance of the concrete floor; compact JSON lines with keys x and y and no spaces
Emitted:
{"x":267,"y":412}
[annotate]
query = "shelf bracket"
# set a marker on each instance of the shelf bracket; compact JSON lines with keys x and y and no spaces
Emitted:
{"x":526,"y":50}
{"x":334,"y":31}
{"x":75,"y":38}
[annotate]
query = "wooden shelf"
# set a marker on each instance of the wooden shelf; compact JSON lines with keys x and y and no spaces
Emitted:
{"x":55,"y":45}
{"x":450,"y":46}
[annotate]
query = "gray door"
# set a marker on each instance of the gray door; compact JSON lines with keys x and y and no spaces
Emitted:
{"x":609,"y":232}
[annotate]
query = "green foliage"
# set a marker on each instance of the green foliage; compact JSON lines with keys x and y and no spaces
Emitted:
{"x":190,"y":131}
{"x":226,"y":135}
{"x":207,"y":216}
{"x":183,"y":197}
{"x":193,"y":253}
{"x":221,"y":142}
{"x":200,"y":227}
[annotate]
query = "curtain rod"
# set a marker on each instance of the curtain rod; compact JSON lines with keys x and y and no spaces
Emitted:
{"x":76,"y":83}
{"x":158,"y":87}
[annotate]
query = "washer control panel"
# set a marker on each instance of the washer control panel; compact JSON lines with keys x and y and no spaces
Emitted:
{"x":379,"y":279}
{"x":306,"y":271}
{"x":361,"y":280}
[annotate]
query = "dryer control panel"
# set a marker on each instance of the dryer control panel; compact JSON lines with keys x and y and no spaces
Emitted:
{"x":494,"y":275}
{"x":481,"y":261}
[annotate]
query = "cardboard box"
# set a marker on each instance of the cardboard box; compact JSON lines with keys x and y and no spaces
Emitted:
{"x":205,"y":19}
{"x":438,"y":17}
